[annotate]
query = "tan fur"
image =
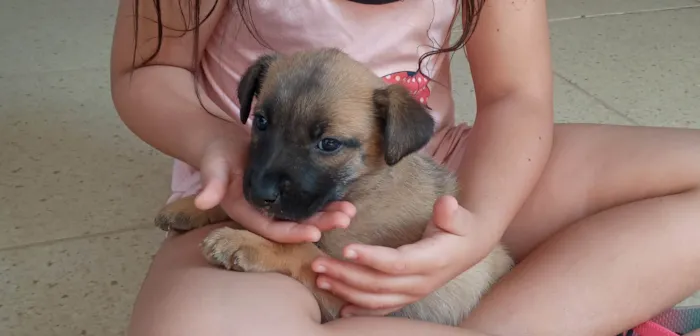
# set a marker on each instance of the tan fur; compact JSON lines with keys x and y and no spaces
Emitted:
{"x":394,"y":203}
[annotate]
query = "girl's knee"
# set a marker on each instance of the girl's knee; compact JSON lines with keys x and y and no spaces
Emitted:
{"x":217,"y":302}
{"x":183,"y":295}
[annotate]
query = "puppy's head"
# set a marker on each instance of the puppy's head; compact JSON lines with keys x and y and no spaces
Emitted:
{"x":321,"y":121}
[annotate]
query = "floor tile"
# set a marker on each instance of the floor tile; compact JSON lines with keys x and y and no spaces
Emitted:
{"x":691,"y":301}
{"x":643,"y":65}
{"x":78,"y":287}
{"x":558,"y":9}
{"x":571,"y":105}
{"x":463,"y":89}
{"x":48,"y":35}
{"x":69,"y":165}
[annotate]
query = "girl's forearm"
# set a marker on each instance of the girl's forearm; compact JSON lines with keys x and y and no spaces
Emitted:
{"x":159,"y":104}
{"x":506,"y":152}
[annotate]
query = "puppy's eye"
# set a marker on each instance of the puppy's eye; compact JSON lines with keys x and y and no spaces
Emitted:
{"x":329,"y":145}
{"x":260,"y":122}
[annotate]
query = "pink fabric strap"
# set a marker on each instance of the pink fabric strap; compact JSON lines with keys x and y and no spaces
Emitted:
{"x":673,"y":322}
{"x":652,"y":329}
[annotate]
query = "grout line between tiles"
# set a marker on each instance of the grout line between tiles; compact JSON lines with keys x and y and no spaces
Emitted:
{"x":598,"y":100}
{"x":8,"y":75}
{"x":75,"y":238}
{"x":641,"y":11}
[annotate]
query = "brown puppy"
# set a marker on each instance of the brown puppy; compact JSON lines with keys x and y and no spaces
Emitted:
{"x":326,"y":128}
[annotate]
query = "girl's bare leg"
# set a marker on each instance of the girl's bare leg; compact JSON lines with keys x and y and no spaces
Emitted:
{"x":184,"y":296}
{"x":633,"y":196}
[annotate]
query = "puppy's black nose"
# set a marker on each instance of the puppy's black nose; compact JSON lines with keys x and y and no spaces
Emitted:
{"x":266,"y":190}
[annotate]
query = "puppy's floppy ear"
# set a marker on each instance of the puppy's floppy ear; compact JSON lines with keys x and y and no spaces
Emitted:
{"x":406,"y":124}
{"x":251,"y":81}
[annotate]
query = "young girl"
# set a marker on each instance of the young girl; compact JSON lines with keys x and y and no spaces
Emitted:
{"x":597,"y":216}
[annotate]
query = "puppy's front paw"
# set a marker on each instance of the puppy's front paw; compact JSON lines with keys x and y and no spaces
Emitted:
{"x":178,"y":221}
{"x":237,"y":250}
{"x":182,"y":215}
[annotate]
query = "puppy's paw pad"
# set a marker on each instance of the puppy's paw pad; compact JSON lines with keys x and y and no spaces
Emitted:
{"x":231,"y":249}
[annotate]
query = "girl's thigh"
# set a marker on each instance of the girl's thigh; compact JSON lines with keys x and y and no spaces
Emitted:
{"x":183,"y":295}
{"x":597,"y":167}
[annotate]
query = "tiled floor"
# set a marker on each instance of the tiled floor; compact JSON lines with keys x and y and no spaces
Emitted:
{"x":78,"y":189}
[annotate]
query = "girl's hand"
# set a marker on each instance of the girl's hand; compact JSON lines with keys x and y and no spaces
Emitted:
{"x":379,"y":280}
{"x":222,"y":175}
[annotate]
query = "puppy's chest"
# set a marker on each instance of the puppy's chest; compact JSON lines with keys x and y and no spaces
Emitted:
{"x":387,"y":227}
{"x":394,"y":207}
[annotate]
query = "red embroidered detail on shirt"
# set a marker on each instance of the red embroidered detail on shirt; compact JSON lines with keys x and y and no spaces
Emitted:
{"x":414,"y":81}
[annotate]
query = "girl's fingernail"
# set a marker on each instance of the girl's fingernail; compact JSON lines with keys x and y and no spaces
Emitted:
{"x":315,"y":236}
{"x":352,"y":212}
{"x":324,"y":285}
{"x":320,"y":269}
{"x":351,"y":254}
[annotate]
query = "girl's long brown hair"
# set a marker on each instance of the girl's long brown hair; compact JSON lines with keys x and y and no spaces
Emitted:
{"x":469,"y":9}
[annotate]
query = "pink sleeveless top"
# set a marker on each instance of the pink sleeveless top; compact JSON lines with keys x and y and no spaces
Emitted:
{"x":388,"y":38}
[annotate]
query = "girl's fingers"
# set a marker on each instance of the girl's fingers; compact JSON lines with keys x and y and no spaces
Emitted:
{"x":335,"y":215}
{"x":278,"y":231}
{"x":215,"y":180}
{"x":448,"y":217}
{"x":341,"y":206}
{"x":423,"y":257}
{"x":359,"y":298}
{"x":366,"y":279}
{"x":329,"y":220}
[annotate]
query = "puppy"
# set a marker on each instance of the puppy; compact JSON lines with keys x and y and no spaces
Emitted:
{"x":325,"y":128}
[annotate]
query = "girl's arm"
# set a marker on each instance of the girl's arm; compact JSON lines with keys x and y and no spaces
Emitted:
{"x":509,"y":56}
{"x":157,"y":100}
{"x":159,"y":103}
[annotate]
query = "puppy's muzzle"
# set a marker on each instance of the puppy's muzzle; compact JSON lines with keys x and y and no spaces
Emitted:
{"x":266,"y":189}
